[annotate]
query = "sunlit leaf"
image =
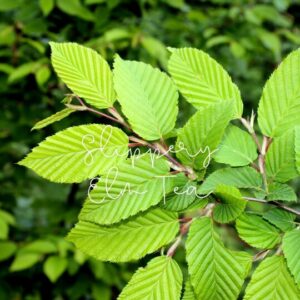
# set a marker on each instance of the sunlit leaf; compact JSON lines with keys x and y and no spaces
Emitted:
{"x":202,"y":80}
{"x":128,"y":240}
{"x":85,"y":72}
{"x":279,"y":106}
{"x":148,"y":98}
{"x":78,"y":153}
{"x":272,"y":281}
{"x":257,"y":232}
{"x":163,"y":277}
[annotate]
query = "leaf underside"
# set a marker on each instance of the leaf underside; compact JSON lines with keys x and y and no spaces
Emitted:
{"x":280,"y":218}
{"x":237,"y":148}
{"x":257,"y":232}
{"x":243,"y":177}
{"x":230,"y":206}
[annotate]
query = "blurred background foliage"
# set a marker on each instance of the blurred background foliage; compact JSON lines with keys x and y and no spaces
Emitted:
{"x":249,"y":38}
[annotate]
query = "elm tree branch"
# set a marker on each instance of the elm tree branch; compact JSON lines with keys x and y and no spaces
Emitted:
{"x":138,"y":141}
{"x":183,"y":230}
{"x":276,"y":203}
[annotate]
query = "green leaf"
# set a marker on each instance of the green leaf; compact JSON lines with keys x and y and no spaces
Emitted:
{"x":156,"y":49}
{"x":42,"y":75}
{"x":148,"y":98}
{"x":183,"y":195}
{"x":39,"y":246}
{"x":54,"y":267}
{"x":271,"y":41}
{"x":46,"y":6}
{"x":4,"y":229}
{"x":290,"y":247}
{"x":89,"y":2}
{"x":7,"y":5}
{"x":101,"y":291}
{"x":53,"y":118}
{"x":128,"y":240}
{"x":85,"y":72}
{"x":297,"y":147}
{"x":280,"y":218}
{"x":75,"y":8}
{"x":163,"y":277}
{"x":201,"y":135}
{"x":245,"y":259}
{"x":281,"y":192}
{"x":198,"y":203}
{"x":7,"y":217}
{"x":23,"y":71}
{"x":78,"y":153}
{"x":279,"y":106}
{"x":280,"y":158}
{"x":133,"y":186}
{"x":188,"y":292}
{"x":202,"y":81}
{"x":24,"y":261}
{"x":272,"y":281}
{"x":257,"y":232}
{"x":210,"y":264}
{"x":6,"y":68}
{"x":231,"y":204}
{"x":245,"y":177}
{"x":237,"y":148}
{"x":7,"y":249}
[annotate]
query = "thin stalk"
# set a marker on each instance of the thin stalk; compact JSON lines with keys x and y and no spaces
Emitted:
{"x":261,"y":163}
{"x":183,"y":230}
{"x":248,"y":125}
{"x":275,"y":203}
{"x":85,"y":107}
{"x":116,"y":114}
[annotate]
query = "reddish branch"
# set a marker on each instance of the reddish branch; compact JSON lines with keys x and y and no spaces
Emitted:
{"x":183,"y":230}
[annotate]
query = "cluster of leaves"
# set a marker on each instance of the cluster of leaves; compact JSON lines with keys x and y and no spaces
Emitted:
{"x":127,"y":215}
{"x":238,"y":33}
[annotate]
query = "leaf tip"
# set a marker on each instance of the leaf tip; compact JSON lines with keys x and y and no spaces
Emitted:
{"x":171,"y":49}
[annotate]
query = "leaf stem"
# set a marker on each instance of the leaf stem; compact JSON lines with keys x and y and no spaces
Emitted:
{"x":174,"y":246}
{"x":85,"y":107}
{"x":261,"y":148}
{"x":248,"y":125}
{"x":275,"y":203}
{"x":164,"y":151}
{"x":183,"y":230}
{"x":261,"y":162}
{"x":116,"y":114}
{"x":261,"y":255}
